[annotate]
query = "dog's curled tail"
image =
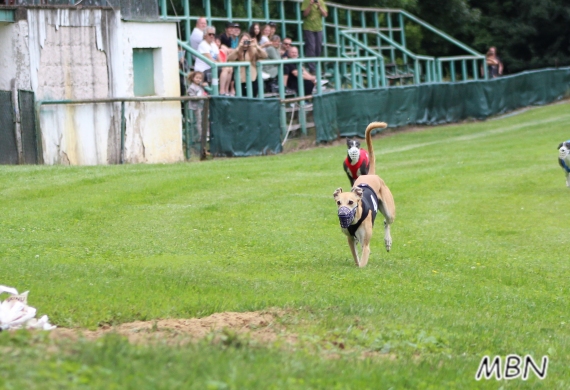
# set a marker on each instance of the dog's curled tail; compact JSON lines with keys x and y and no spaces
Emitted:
{"x":369,"y":128}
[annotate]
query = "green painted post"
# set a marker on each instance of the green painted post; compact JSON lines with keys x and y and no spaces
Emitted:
{"x":237,"y":74}
{"x":439,"y":71}
{"x":337,"y":33}
{"x":428,"y":71}
{"x":249,"y":13}
{"x":208,"y":10}
{"x":463,"y":70}
{"x":248,"y":86}
{"x":485,"y":69}
{"x":228,"y":6}
{"x":417,"y":71}
{"x":319,"y":79}
{"x":282,"y":16}
{"x":123,"y":132}
{"x":280,"y":78}
{"x":452,"y":68}
{"x":391,"y":36}
{"x":402,"y":35}
{"x":303,"y":117}
{"x":475,"y":73}
{"x":363,"y":24}
{"x":300,"y":78}
{"x":260,"y":85}
{"x":187,"y":27}
{"x":369,"y":78}
{"x":337,"y":79}
{"x":325,"y":41}
{"x":353,"y":74}
{"x":283,"y":120}
{"x":300,"y":29}
{"x":163,"y":12}
{"x":377,"y":28}
{"x":382,"y":71}
{"x":266,"y":10}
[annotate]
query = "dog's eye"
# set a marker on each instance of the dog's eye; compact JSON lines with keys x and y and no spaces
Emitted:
{"x":338,"y":202}
{"x":350,"y":202}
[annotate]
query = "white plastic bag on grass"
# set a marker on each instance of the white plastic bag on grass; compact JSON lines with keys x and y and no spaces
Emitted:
{"x":16,"y":314}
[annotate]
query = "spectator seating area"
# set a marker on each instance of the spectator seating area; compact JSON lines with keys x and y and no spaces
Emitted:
{"x":362,"y":47}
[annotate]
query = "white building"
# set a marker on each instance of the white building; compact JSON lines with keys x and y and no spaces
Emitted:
{"x":71,"y":53}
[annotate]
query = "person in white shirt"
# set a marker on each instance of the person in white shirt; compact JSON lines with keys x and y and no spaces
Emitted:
{"x":197,"y":35}
{"x":211,"y":51}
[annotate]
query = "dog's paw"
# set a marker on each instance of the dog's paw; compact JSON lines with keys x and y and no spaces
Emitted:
{"x":388,"y":243}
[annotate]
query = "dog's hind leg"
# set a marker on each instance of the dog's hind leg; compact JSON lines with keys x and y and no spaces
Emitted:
{"x":567,"y":179}
{"x":352,"y":245}
{"x":387,"y":236}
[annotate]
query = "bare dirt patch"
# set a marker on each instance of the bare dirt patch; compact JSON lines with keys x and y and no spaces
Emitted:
{"x":258,"y":326}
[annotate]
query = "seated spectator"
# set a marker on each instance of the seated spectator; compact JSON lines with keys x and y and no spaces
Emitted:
{"x":285,"y":46}
{"x":229,"y":39}
{"x":197,"y":35}
{"x":272,"y":70}
{"x":291,"y":73}
{"x":494,"y":64}
{"x":273,"y":28}
{"x":255,"y":32}
{"x":210,"y":50}
{"x":225,"y":72}
{"x":248,"y":50}
{"x":265,"y":41}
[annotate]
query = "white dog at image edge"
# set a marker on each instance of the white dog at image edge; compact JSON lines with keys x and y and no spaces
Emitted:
{"x":564,"y":159}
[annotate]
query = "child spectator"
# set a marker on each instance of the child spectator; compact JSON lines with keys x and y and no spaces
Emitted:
{"x":195,"y":80}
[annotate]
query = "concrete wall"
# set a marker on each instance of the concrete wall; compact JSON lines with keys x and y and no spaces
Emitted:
{"x":87,"y":54}
{"x":149,"y":123}
{"x":14,"y":55}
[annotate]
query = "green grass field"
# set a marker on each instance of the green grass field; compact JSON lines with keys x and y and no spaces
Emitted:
{"x":479,"y":265}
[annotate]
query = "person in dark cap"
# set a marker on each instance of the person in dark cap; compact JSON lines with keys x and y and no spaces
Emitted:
{"x":273,"y":28}
{"x":228,"y":38}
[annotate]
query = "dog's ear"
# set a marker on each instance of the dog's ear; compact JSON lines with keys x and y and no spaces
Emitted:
{"x":338,"y":191}
{"x":559,"y":146}
{"x":358,"y":191}
{"x":348,"y":142}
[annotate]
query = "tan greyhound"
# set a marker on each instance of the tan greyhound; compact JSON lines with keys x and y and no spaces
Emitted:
{"x":357,"y":208}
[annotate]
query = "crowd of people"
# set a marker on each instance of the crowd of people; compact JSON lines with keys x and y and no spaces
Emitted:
{"x":259,"y":42}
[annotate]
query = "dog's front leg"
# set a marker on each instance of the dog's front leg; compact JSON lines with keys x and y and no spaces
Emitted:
{"x":365,"y":253}
{"x":363,"y":235}
{"x":352,"y":245}
{"x":387,"y":236}
{"x":567,"y":179}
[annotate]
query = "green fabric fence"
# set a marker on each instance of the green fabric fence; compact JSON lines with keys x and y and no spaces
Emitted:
{"x":347,"y":113}
{"x":244,"y":127}
{"x":8,"y":148}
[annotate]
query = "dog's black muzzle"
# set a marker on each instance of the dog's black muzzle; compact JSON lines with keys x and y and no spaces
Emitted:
{"x":346,"y":216}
